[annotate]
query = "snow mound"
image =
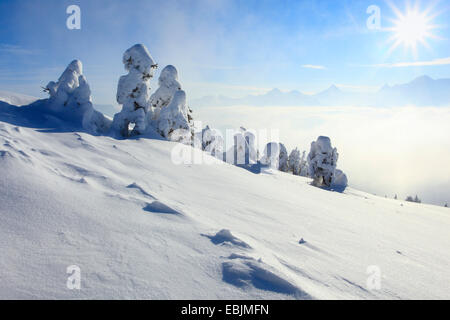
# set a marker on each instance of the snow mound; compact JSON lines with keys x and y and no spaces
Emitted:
{"x":340,"y":180}
{"x":159,"y":207}
{"x":134,"y":185}
{"x":224,"y":236}
{"x":245,"y":272}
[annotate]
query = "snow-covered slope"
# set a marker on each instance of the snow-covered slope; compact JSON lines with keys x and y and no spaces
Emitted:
{"x":140,"y":226}
{"x":16,"y":99}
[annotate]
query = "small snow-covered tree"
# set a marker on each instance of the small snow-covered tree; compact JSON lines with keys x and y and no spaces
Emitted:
{"x":446,"y":205}
{"x":271,"y":155}
{"x":304,"y":168}
{"x":173,"y":121}
{"x":284,"y":159}
{"x":168,"y":85}
{"x":322,"y":161}
{"x":251,"y":153}
{"x":243,"y":151}
{"x":70,"y":99}
{"x":212,"y":142}
{"x":133,"y":91}
{"x":275,"y":156}
{"x":239,"y":147}
{"x":413,"y":199}
{"x":295,"y":162}
{"x":395,"y":197}
{"x":63,"y":89}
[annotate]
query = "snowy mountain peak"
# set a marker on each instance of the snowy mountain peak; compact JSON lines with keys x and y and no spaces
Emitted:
{"x":333,"y":88}
{"x":331,"y":93}
{"x":274,"y":91}
{"x":422,"y":80}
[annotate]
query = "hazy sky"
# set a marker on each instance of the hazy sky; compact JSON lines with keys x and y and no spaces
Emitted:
{"x":219,"y":46}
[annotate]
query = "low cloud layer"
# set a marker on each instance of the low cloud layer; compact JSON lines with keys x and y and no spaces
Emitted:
{"x":385,"y":151}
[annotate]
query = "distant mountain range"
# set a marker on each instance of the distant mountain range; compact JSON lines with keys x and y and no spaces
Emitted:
{"x":422,"y":91}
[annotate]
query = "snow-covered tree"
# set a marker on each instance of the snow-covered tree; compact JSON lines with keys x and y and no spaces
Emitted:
{"x":295,"y":162}
{"x":239,"y":147}
{"x":251,"y":152}
{"x":212,"y":141}
{"x":446,"y":205}
{"x":243,"y":151}
{"x":275,"y":156}
{"x":304,"y":168}
{"x":70,"y":99}
{"x":271,"y":155}
{"x":133,"y":91}
{"x":413,"y":199}
{"x":168,"y":85}
{"x":395,"y":197}
{"x":283,"y":164}
{"x":322,"y":161}
{"x":173,"y":121}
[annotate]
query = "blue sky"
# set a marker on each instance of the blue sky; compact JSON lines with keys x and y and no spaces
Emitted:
{"x":219,"y":47}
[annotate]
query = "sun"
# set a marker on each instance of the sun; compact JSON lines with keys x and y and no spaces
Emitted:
{"x":412,"y":28}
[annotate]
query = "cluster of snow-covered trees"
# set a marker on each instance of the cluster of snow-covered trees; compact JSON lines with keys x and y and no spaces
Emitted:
{"x":413,"y":199}
{"x":320,"y":164}
{"x":166,"y":112}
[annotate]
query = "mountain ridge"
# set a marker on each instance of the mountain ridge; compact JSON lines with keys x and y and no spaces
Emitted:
{"x":421,"y":91}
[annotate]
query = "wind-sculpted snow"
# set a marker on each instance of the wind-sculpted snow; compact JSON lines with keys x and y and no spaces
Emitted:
{"x":225,"y":237}
{"x":72,"y":198}
{"x":242,"y":271}
{"x":159,"y":207}
{"x":340,"y":180}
